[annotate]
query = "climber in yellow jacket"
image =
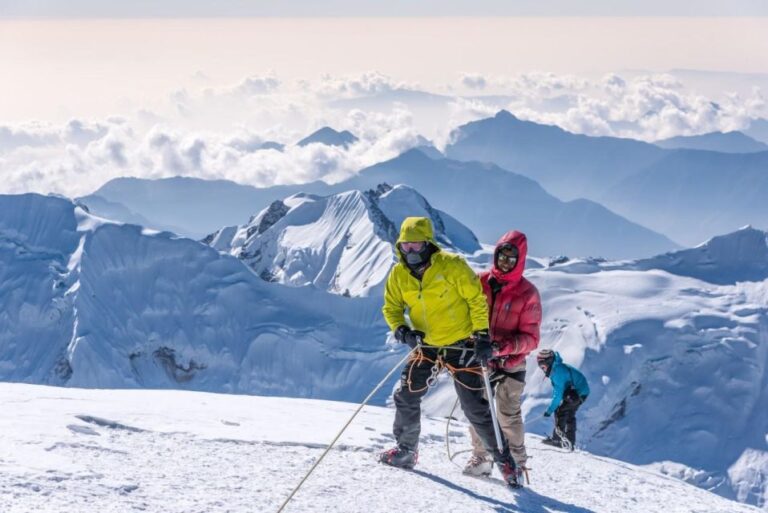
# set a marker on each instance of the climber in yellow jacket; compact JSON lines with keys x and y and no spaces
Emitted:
{"x":448,"y":312}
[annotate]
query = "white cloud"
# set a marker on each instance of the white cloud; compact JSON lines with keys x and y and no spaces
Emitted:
{"x":351,"y":86}
{"x":473,"y":81}
{"x":218,"y":133}
{"x":257,"y":85}
{"x":29,"y":135}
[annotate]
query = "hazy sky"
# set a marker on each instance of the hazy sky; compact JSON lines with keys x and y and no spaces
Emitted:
{"x":56,"y":69}
{"x":207,"y":8}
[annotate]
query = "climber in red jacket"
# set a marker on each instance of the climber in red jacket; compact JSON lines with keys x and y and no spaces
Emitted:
{"x":515,"y":319}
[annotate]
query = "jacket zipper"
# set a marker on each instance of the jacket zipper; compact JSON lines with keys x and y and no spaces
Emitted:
{"x":423,"y":305}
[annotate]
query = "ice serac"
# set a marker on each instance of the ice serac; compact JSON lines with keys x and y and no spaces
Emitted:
{"x":90,"y":303}
{"x":38,"y":239}
{"x":342,"y":243}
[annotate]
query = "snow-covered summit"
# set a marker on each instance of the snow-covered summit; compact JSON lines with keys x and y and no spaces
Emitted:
{"x":341,"y":243}
{"x":329,"y":137}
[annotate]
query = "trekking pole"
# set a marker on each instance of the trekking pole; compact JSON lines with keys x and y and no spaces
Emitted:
{"x":338,"y":435}
{"x":492,"y":406}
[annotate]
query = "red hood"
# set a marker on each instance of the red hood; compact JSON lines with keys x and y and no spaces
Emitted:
{"x":519,"y":240}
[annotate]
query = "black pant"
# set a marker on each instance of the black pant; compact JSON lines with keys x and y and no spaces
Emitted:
{"x":469,"y":387}
{"x":565,"y":415}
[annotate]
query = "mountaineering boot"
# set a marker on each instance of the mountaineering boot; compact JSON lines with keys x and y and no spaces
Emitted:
{"x":559,"y":443}
{"x":511,"y":473}
{"x":399,"y":457}
{"x":478,"y":466}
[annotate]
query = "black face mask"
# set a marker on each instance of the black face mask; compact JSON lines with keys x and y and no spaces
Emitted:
{"x":417,"y":259}
{"x":414,"y":259}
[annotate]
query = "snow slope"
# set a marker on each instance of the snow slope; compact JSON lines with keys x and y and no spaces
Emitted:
{"x":341,"y":243}
{"x":91,"y":303}
{"x":725,"y":259}
{"x":675,"y":347}
{"x":171,"y":451}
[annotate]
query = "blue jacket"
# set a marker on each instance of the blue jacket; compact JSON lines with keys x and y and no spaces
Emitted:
{"x":563,"y":377}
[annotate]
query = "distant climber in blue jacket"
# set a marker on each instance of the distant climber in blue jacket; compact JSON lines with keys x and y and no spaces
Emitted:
{"x":569,"y":391}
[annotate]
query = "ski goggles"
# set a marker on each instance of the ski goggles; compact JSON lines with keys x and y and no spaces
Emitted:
{"x":412,"y":247}
{"x":507,"y":258}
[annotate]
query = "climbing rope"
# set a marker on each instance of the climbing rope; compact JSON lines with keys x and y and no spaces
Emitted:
{"x":338,"y":435}
{"x":448,"y":438}
{"x":452,"y":456}
{"x":564,"y":442}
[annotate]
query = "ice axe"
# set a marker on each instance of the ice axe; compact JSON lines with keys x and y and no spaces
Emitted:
{"x":492,"y":406}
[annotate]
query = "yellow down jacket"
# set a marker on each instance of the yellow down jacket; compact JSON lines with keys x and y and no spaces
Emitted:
{"x":447,"y":304}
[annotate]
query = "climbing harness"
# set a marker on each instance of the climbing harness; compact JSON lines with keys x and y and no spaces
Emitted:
{"x":439,"y":363}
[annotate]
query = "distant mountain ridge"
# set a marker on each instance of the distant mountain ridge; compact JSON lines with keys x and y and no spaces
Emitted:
{"x":568,"y":165}
{"x":487,"y":199}
{"x":692,"y":195}
{"x":490,"y":201}
{"x":688,"y":195}
{"x":724,"y":142}
{"x":196,"y":207}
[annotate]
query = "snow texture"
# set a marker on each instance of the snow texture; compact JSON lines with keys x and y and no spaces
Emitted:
{"x":97,"y":304}
{"x":343,"y":243}
{"x":179,"y":452}
{"x":675,"y":347}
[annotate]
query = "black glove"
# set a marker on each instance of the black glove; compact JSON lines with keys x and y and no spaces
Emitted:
{"x":406,"y":335}
{"x":547,"y":414}
{"x":483,"y":347}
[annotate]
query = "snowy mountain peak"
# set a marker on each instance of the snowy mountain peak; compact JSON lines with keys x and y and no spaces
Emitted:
{"x":269,"y":216}
{"x":738,"y":256}
{"x":504,"y":114}
{"x":341,"y":243}
{"x":329,"y":137}
{"x":428,"y":148}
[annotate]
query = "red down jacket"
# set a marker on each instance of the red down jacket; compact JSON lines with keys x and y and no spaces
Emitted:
{"x":515,"y":308}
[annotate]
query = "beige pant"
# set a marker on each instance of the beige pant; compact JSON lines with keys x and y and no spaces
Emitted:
{"x":508,"y":394}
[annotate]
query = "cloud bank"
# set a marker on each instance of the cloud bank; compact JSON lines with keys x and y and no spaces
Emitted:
{"x":221,"y":132}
